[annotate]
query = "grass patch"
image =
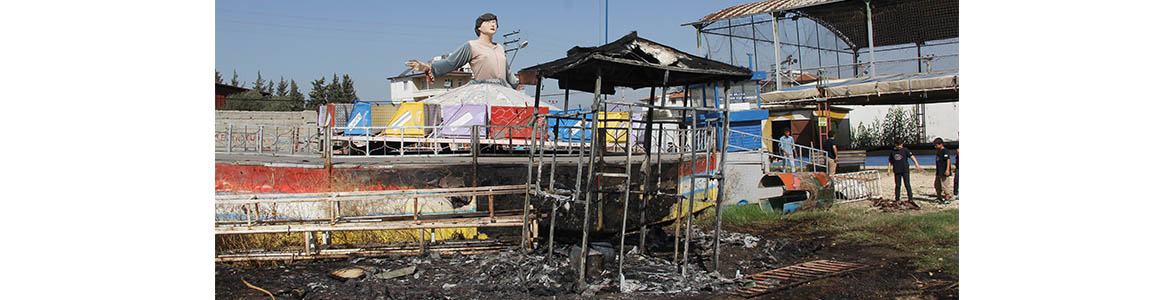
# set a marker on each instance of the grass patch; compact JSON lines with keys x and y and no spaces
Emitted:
{"x":278,"y":241}
{"x":740,"y":215}
{"x":925,"y":238}
{"x":930,"y":239}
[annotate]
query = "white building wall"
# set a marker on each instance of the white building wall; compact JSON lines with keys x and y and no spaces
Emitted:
{"x":402,"y":89}
{"x":744,"y":174}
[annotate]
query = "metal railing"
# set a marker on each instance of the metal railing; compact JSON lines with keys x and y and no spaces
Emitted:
{"x":407,"y":211}
{"x":268,"y":139}
{"x":928,"y":63}
{"x":373,"y":141}
{"x":804,"y":157}
{"x":861,"y":185}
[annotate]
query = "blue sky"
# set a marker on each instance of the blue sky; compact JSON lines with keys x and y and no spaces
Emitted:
{"x":370,"y":40}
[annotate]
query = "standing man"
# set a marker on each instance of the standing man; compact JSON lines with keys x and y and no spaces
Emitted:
{"x":956,"y":178}
{"x":831,"y":149}
{"x":786,"y":145}
{"x":942,"y":172}
{"x":897,"y":163}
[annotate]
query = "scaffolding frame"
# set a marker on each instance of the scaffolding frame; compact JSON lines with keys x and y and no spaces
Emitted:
{"x":717,"y":119}
{"x":723,"y":27}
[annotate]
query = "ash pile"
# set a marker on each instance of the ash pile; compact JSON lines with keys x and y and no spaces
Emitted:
{"x":507,"y":274}
{"x":891,"y":205}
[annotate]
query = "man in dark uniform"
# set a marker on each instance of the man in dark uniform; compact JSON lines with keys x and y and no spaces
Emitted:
{"x":897,"y":163}
{"x":956,"y":178}
{"x":942,"y":172}
{"x":831,"y":149}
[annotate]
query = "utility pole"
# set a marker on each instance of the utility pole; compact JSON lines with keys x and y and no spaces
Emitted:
{"x":508,"y":42}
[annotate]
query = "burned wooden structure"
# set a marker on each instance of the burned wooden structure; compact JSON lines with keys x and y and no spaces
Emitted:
{"x":635,"y":62}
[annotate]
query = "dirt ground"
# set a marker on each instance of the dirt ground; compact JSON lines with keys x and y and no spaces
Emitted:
{"x":511,"y":275}
{"x":922,"y":184}
{"x":891,"y":274}
{"x":508,"y":274}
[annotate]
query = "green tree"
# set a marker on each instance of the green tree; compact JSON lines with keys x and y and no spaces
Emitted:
{"x":259,"y":83}
{"x":282,"y":88}
{"x":295,"y":94}
{"x":235,"y":78}
{"x":898,"y":124}
{"x":865,"y":136}
{"x":348,"y":91}
{"x":218,"y":79}
{"x":253,"y":100}
{"x":318,"y":94}
{"x":334,"y":91}
{"x":269,"y":88}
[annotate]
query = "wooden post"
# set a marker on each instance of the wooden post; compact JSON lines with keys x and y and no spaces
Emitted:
{"x":422,"y":248}
{"x":524,"y":239}
{"x":492,"y":208}
{"x":309,"y":242}
{"x":723,"y":192}
{"x":594,"y":145}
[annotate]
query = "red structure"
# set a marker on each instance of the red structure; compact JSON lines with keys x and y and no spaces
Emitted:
{"x":222,"y":91}
{"x":513,"y":116}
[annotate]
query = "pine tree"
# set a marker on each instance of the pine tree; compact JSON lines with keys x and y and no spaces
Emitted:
{"x":318,"y":95}
{"x":259,"y":83}
{"x":348,"y":92}
{"x":295,"y":94}
{"x":218,"y":79}
{"x":282,"y":88}
{"x":235,"y":78}
{"x":334,"y":91}
{"x":269,"y":88}
{"x":245,"y":101}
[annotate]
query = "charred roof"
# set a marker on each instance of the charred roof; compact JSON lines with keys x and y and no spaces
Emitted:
{"x":634,"y":62}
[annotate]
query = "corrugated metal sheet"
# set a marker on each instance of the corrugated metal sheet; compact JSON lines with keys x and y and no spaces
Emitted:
{"x":413,"y":114}
{"x":381,"y":115}
{"x":639,"y":128}
{"x":341,"y":114}
{"x":456,"y":116}
{"x":567,"y":131}
{"x":360,"y":117}
{"x":512,"y":116}
{"x":748,"y":121}
{"x":614,"y":120}
{"x":334,"y":114}
{"x":749,"y":9}
{"x":742,"y":140}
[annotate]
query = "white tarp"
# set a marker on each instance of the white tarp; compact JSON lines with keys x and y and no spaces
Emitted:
{"x":487,"y":94}
{"x":901,"y":83}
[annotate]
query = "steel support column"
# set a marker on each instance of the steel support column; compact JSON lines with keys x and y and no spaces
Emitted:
{"x":870,"y":38}
{"x":776,"y":51}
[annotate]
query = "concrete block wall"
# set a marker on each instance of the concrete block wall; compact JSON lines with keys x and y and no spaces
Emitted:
{"x":744,"y":176}
{"x":284,"y":118}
